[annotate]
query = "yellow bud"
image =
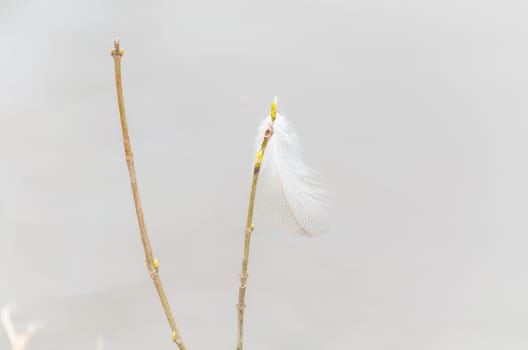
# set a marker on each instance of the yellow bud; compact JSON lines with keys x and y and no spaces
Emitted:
{"x":112,"y":52}
{"x":155,"y":264}
{"x":121,"y":52}
{"x":173,"y":335}
{"x":258,"y":161}
{"x":274,"y":109}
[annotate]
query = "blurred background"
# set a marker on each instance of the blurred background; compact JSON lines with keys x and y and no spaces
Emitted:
{"x":414,"y":112}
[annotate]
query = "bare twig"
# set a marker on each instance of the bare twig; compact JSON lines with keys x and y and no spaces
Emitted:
{"x":152,"y":263}
{"x":249,"y":226}
{"x":19,"y":341}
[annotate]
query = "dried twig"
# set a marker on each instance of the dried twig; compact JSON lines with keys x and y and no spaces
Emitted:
{"x":19,"y":341}
{"x":249,"y":226}
{"x":152,"y":263}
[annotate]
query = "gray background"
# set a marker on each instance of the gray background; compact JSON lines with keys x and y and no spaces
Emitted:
{"x":414,"y":112}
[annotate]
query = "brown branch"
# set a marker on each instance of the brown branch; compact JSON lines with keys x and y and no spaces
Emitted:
{"x":152,"y":263}
{"x":249,"y":226}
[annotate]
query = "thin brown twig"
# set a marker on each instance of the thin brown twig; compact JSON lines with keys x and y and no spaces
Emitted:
{"x":152,"y":263}
{"x":249,"y":226}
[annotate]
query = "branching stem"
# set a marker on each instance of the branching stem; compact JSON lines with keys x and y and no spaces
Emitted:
{"x":18,"y":340}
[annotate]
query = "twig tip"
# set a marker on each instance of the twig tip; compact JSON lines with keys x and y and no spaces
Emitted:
{"x":116,"y":51}
{"x":274,"y":108}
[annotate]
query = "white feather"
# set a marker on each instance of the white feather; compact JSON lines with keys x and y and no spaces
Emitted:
{"x":287,"y":189}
